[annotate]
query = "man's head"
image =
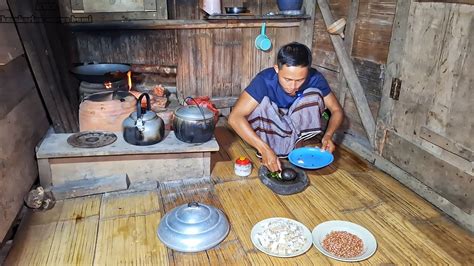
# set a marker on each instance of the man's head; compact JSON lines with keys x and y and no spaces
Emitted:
{"x":293,"y":63}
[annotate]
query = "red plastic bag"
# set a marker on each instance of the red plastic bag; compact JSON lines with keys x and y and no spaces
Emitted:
{"x":204,"y":101}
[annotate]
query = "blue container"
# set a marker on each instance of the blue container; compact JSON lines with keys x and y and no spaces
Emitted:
{"x":285,"y":5}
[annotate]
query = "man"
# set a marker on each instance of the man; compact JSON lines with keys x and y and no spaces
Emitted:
{"x":283,"y":105}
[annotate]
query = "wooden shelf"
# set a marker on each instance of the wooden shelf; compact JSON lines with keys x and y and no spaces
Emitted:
{"x":258,"y":17}
{"x":210,"y":23}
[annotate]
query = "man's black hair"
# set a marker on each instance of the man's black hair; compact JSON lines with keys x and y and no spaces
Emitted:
{"x":294,"y":54}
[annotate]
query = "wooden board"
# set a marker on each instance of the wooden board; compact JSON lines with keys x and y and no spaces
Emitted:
{"x":20,"y":131}
{"x":44,"y":68}
{"x":436,"y":87}
{"x":136,"y":167}
{"x":446,"y":144}
{"x":447,"y":180}
{"x":69,"y":229}
{"x":127,"y":230}
{"x":17,"y":83}
{"x":10,"y":45}
{"x":85,"y":187}
{"x":56,"y":146}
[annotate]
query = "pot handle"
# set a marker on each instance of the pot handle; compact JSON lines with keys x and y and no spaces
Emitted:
{"x":139,"y":104}
{"x":198,"y":106}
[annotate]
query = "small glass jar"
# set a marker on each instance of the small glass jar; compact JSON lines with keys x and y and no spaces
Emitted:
{"x":243,"y":166}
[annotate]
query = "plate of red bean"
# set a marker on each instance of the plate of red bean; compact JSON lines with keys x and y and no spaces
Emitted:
{"x":344,"y":241}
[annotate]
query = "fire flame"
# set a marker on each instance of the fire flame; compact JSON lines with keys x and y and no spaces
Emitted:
{"x":108,"y":85}
{"x":129,"y":76}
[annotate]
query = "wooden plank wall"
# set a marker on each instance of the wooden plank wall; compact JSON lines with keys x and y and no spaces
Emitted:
{"x":46,"y":56}
{"x":373,"y":28}
{"x":212,"y":62}
{"x":427,"y":121}
{"x":23,"y":121}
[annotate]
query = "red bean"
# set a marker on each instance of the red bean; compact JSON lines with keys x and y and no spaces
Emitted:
{"x":343,"y":244}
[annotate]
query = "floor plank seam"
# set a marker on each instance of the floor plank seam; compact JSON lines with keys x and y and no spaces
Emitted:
{"x":97,"y":230}
{"x":130,"y":215}
{"x":364,"y":208}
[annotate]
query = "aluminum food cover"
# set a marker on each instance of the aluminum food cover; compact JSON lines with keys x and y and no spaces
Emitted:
{"x":193,"y":227}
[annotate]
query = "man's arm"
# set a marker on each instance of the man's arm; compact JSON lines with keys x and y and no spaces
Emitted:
{"x":337,"y":116}
{"x":238,"y":121}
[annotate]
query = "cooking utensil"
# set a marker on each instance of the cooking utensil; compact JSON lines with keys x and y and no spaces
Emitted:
{"x":310,"y":158}
{"x":143,"y":127}
{"x":262,"y":42}
{"x":212,"y":7}
{"x":100,"y":73}
{"x":193,"y":227}
{"x":323,"y":229}
{"x":236,"y":9}
{"x":91,"y":139}
{"x":337,"y":28}
{"x":289,"y":4}
{"x":193,"y":123}
{"x":282,"y":187}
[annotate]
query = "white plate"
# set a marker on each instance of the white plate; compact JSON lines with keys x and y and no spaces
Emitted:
{"x":258,"y":228}
{"x":323,"y":229}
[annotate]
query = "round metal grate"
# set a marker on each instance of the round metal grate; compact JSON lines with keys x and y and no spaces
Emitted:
{"x":91,"y":139}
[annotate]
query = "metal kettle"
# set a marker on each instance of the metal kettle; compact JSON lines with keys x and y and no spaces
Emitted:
{"x":143,"y":127}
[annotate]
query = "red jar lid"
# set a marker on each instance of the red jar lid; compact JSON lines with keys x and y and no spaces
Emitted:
{"x":242,"y":161}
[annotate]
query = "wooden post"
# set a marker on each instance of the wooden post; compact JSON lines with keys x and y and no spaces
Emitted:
{"x":349,"y":72}
{"x":348,"y":43}
{"x":394,"y":60}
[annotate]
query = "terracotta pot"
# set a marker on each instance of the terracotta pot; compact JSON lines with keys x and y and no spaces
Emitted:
{"x":106,"y":115}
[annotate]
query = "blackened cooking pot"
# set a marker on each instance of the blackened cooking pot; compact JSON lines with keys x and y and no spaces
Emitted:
{"x":193,"y":124}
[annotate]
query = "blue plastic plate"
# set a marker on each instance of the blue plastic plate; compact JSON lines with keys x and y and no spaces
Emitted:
{"x":310,"y":158}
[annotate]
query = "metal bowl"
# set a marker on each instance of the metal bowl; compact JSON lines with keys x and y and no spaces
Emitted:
{"x":193,"y":227}
{"x":236,"y":9}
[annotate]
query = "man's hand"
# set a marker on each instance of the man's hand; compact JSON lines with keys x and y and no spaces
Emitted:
{"x":328,"y":144}
{"x":270,"y":160}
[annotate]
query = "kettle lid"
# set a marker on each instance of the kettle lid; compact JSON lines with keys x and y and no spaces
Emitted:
{"x":146,"y":115}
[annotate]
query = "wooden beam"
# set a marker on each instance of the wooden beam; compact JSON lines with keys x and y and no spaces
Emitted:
{"x":348,"y":43}
{"x":307,"y":26}
{"x":394,"y":59}
{"x":182,"y":24}
{"x":446,"y":143}
{"x":91,"y":186}
{"x":39,"y":53}
{"x":17,"y":82}
{"x":348,"y":69}
{"x":469,"y":2}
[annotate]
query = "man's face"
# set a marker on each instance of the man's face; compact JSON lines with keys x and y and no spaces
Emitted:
{"x":291,"y":77}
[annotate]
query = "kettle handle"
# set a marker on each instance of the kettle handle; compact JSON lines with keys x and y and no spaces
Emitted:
{"x":139,"y":104}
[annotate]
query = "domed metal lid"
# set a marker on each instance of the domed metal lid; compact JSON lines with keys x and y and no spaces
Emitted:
{"x":193,"y":227}
{"x":193,"y":112}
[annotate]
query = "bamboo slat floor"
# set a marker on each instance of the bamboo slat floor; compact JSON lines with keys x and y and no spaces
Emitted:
{"x":120,"y":228}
